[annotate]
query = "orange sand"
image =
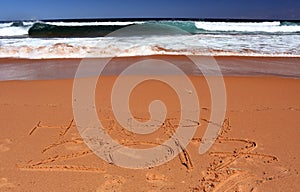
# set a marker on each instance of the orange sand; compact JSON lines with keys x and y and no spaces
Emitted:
{"x":258,"y":149}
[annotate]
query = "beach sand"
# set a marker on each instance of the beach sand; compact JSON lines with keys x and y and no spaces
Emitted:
{"x":257,"y":150}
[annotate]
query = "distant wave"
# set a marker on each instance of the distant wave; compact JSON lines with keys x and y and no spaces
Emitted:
{"x":96,"y":29}
{"x":42,"y":30}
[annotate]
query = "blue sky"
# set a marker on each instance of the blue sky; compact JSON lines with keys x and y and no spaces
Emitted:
{"x":240,"y":9}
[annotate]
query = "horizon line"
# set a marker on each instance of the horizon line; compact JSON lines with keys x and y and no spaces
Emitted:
{"x":151,"y":18}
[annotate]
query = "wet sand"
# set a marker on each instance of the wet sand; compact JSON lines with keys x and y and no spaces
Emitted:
{"x":37,"y":69}
{"x":257,"y":149}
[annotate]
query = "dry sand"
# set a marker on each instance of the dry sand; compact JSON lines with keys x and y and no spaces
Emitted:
{"x":257,"y":150}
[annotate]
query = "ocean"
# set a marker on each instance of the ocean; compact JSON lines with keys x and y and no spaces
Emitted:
{"x":69,"y":39}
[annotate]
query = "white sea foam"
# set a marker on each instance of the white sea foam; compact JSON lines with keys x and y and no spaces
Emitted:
{"x":13,"y":31}
{"x":270,"y":27}
{"x":28,"y":23}
{"x":5,"y":24}
{"x":201,"y":44}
